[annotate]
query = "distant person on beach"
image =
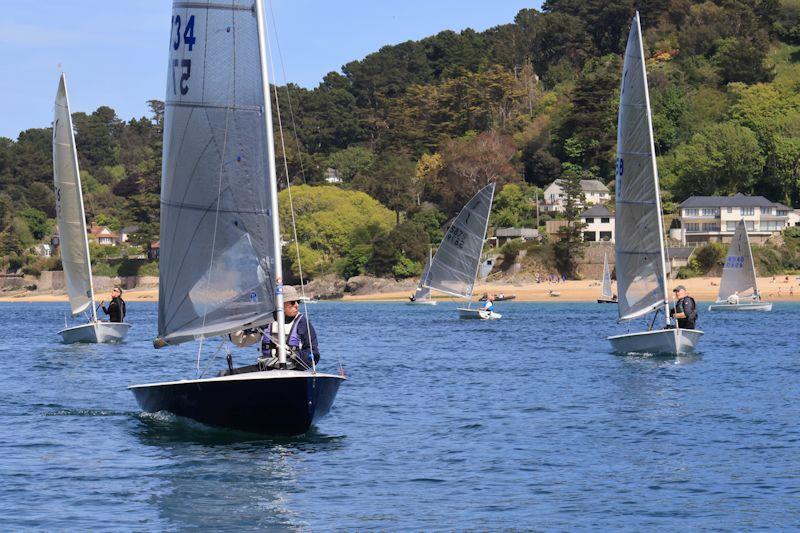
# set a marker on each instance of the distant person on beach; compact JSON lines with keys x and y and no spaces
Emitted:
{"x":685,"y":310}
{"x":116,"y":309}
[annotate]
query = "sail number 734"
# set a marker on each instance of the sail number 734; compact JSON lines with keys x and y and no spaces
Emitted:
{"x":182,"y":68}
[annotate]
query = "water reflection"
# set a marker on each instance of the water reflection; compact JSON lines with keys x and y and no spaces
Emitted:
{"x":211,"y":477}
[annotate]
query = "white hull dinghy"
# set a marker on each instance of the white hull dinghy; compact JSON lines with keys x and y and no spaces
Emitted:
{"x":221,"y":269}
{"x":95,"y":332}
{"x":607,"y":294}
{"x":422,"y":296}
{"x":640,"y":257}
{"x":738,"y":288}
{"x":72,"y":231}
{"x":479,"y":314}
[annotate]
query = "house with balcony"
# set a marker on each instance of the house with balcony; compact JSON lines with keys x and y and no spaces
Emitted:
{"x":594,"y":191}
{"x":706,"y":219}
{"x":599,"y":224}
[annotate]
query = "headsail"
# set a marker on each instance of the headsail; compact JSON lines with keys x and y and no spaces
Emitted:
{"x":607,"y":292}
{"x":217,"y":261}
{"x":69,"y":208}
{"x":739,"y":272}
{"x":641,"y":280}
{"x":455,"y":265}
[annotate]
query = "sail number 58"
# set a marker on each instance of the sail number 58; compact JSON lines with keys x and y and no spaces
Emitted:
{"x":182,"y":67}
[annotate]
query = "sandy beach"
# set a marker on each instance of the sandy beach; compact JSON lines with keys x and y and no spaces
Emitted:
{"x":703,"y":289}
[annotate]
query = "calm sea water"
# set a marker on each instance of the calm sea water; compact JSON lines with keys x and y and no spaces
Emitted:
{"x":528,"y":422}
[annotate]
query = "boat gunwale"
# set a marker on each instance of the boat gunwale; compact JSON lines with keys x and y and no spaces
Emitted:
{"x":247,"y":376}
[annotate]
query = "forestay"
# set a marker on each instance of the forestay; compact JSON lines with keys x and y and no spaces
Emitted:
{"x":455,"y":265}
{"x":739,"y":272}
{"x":69,"y":208}
{"x":217,"y":267}
{"x":639,"y":241}
{"x":607,"y":292}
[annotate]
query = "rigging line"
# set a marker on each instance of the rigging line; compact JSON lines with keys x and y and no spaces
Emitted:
{"x":291,"y":210}
{"x":288,"y":98}
{"x":219,"y":191}
{"x":214,"y":356}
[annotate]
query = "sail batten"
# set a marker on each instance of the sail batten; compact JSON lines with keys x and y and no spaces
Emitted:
{"x":70,"y":216}
{"x":454,"y":267}
{"x":738,"y":273}
{"x":217,"y":271}
{"x":641,"y":280}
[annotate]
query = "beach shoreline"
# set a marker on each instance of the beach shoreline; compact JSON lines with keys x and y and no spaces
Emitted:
{"x":702,"y":289}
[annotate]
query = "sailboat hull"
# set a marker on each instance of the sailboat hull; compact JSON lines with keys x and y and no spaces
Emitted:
{"x":606,"y":301}
{"x":422,"y":302}
{"x":95,"y":332}
{"x":744,"y":306}
{"x":478,"y":314}
{"x":664,"y":341}
{"x":275,"y":402}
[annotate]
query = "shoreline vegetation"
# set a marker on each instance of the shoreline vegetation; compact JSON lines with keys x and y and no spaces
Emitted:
{"x":777,"y":289}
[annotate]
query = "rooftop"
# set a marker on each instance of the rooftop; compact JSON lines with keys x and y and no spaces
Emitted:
{"x":683,"y":252}
{"x":597,"y":211}
{"x":590,"y":185}
{"x":737,"y":200}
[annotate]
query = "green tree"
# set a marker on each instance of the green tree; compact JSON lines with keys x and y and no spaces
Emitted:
{"x":351,"y":161}
{"x":570,"y":247}
{"x":37,"y":222}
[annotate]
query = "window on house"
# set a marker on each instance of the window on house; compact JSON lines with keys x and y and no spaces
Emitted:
{"x":589,"y":220}
{"x":605,"y":220}
{"x":710,"y":226}
{"x":605,"y":235}
{"x":730,"y":226}
{"x":766,"y":210}
{"x":748,"y":211}
{"x":710,"y":212}
{"x":690,"y":212}
{"x":730,"y":210}
{"x":692,"y":226}
{"x":589,"y":236}
{"x":750,"y":224}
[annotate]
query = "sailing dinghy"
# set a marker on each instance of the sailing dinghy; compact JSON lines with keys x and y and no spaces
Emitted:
{"x":454,"y":267}
{"x":640,"y":258}
{"x":739,"y":277}
{"x":220,"y":266}
{"x":607,"y":295}
{"x":422,"y":296}
{"x":73,"y":240}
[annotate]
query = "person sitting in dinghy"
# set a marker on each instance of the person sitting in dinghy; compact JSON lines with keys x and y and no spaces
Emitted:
{"x":733,"y":299}
{"x":116,"y":309}
{"x":300,"y":334}
{"x":488,"y":307}
{"x":685,"y":310}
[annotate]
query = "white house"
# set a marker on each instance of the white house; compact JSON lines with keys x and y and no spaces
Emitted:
{"x":599,"y":224}
{"x":714,"y":218}
{"x":594,"y":191}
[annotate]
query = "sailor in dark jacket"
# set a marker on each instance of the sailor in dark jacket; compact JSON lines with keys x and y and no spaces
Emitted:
{"x":685,"y":308}
{"x":116,"y":309}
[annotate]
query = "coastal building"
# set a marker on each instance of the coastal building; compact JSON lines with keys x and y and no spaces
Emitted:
{"x":126,"y":232}
{"x":594,"y":191}
{"x":503,"y":235}
{"x":599,"y":224}
{"x":706,"y":219}
{"x":102,"y":235}
{"x":677,"y":258}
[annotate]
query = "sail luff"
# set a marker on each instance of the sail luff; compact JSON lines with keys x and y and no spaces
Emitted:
{"x":272,"y":180}
{"x":70,"y":212}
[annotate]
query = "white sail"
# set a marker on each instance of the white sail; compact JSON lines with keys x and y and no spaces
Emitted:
{"x":739,"y":272}
{"x":455,"y":265}
{"x":422,"y":292}
{"x":607,"y":292}
{"x":69,"y":208}
{"x":641,"y":280}
{"x":218,"y":259}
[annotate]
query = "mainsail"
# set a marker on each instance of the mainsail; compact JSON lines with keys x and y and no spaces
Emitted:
{"x":607,"y":292}
{"x":217,"y":269}
{"x":69,"y":208}
{"x":422,"y":292}
{"x":641,"y":278}
{"x":455,"y":265}
{"x":739,"y":272}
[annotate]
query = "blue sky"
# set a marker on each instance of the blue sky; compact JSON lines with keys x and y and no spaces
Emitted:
{"x":114,"y":51}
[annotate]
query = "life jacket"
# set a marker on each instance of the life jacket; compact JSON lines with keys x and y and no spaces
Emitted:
{"x":292,"y":338}
{"x":692,"y":315}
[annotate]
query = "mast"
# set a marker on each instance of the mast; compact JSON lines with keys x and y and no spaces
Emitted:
{"x":273,"y":180}
{"x":655,"y":172}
